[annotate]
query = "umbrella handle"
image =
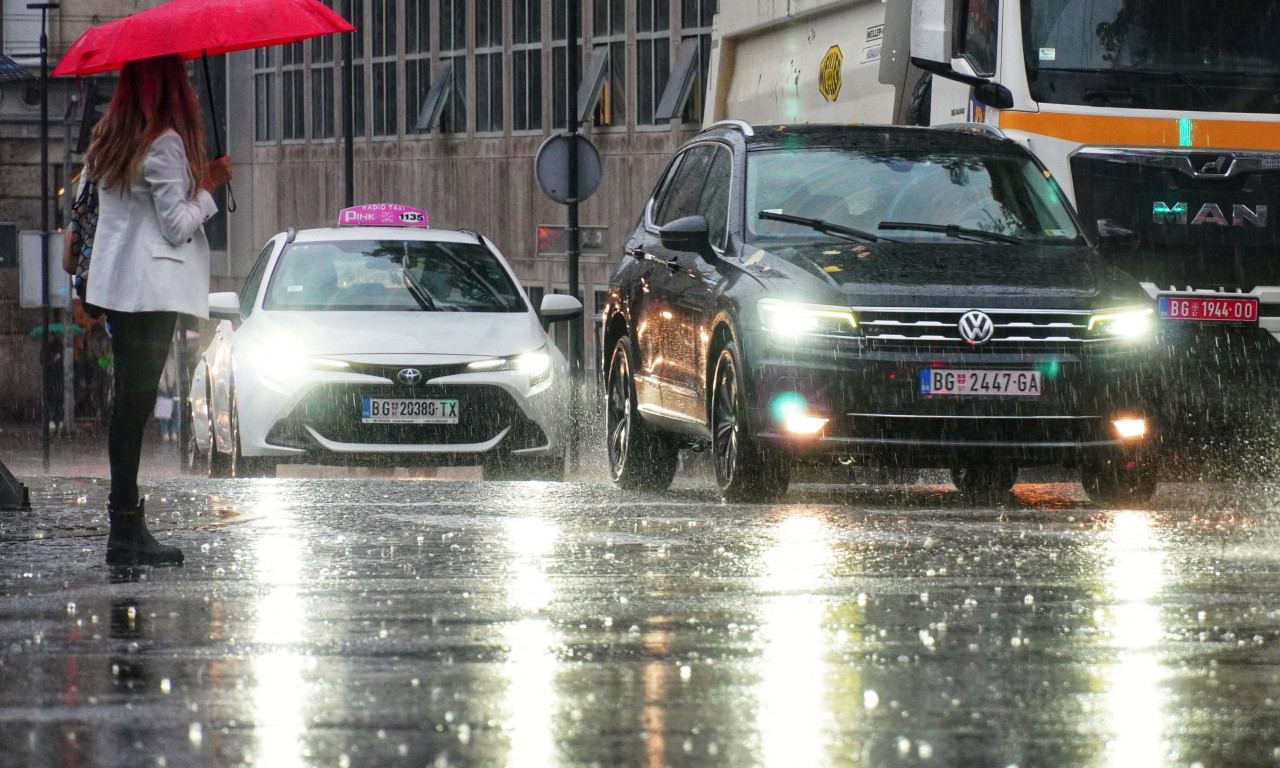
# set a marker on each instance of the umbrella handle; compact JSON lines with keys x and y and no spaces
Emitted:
{"x":217,"y":138}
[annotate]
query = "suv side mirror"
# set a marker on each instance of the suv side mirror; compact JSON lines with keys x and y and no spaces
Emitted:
{"x":690,"y":233}
{"x":225,"y":306}
{"x":559,"y":306}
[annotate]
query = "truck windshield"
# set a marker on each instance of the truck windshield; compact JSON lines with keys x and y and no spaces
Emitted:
{"x":941,"y":193}
{"x":1154,"y":54}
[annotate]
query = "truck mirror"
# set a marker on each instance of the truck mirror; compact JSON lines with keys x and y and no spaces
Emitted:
{"x":994,"y":95}
{"x":931,"y":30}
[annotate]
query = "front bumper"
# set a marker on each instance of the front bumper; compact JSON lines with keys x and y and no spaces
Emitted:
{"x":876,"y":413}
{"x":320,"y":420}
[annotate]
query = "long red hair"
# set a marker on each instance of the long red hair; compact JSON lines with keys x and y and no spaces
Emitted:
{"x":153,"y":96}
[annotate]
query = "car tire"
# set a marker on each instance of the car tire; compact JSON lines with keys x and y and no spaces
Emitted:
{"x":192,"y":458}
{"x":747,"y":469}
{"x":216,"y":464}
{"x":984,"y":482}
{"x":507,"y":467}
{"x":639,"y":457}
{"x":241,"y":465}
{"x":1119,"y":482}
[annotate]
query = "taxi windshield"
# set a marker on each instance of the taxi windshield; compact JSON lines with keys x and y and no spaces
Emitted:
{"x":391,"y":275}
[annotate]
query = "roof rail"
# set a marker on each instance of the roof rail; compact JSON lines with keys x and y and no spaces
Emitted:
{"x":741,"y":125}
{"x":982,"y":128}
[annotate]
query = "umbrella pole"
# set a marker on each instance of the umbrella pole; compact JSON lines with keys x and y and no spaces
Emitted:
{"x":213,"y":115}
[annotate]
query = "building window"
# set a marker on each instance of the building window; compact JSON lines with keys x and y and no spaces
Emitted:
{"x":383,"y":31}
{"x":610,"y":30}
{"x":417,"y":59}
{"x":488,"y":66}
{"x":453,"y":46}
{"x":293,"y":113}
{"x":322,"y":104}
{"x":560,"y":63}
{"x":355,"y":15}
{"x":695,"y":24}
{"x":653,"y":56}
{"x":526,"y":65}
{"x":264,"y":74}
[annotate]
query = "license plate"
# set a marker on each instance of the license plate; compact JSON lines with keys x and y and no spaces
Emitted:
{"x":1205,"y":308}
{"x":387,"y":410}
{"x":964,"y":381}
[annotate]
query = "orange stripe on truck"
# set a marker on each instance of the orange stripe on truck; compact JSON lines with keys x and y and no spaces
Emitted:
{"x":1144,"y":131}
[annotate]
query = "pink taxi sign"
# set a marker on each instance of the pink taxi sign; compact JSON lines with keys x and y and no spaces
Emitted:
{"x":382,"y":215}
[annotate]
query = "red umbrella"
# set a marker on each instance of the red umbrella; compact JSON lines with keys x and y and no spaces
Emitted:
{"x":199,"y":28}
{"x":195,"y":28}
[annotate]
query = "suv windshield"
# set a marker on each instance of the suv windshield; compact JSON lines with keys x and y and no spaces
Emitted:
{"x":1171,"y":54}
{"x":392,"y":275}
{"x":943,"y":194}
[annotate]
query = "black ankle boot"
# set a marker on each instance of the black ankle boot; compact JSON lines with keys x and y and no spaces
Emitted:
{"x":130,"y":543}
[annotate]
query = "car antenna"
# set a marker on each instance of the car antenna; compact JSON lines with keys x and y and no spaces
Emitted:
{"x":474,"y":234}
{"x":290,"y":235}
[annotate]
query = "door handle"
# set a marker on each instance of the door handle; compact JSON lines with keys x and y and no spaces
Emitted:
{"x":673,"y":265}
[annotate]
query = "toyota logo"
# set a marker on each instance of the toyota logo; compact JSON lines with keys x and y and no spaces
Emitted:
{"x":976,"y":327}
{"x":409,"y":376}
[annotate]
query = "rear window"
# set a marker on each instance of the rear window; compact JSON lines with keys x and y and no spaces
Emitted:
{"x":1002,"y":193}
{"x":391,"y":275}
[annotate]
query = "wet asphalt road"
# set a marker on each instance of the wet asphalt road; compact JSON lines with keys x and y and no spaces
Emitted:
{"x":459,"y":623}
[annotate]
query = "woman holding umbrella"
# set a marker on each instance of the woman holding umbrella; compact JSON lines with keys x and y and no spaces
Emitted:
{"x":150,"y":262}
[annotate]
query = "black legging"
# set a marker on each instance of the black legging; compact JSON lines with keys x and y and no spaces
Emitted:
{"x":139,"y":345}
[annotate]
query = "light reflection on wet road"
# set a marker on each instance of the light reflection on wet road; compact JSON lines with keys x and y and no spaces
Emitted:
{"x":376,"y":623}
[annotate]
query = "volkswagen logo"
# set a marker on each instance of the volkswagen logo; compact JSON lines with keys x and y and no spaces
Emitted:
{"x":412,"y":376}
{"x":976,"y":327}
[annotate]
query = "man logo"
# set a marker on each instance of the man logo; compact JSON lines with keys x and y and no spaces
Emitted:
{"x":976,"y":327}
{"x":409,"y":376}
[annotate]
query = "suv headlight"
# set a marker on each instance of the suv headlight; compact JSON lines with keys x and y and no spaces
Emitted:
{"x":1121,"y":323}
{"x":792,"y":320}
{"x":536,"y":364}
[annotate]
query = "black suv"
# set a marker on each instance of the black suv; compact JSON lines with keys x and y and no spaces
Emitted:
{"x":903,"y":297}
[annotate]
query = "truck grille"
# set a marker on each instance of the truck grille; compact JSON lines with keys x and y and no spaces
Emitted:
{"x":891,"y":326}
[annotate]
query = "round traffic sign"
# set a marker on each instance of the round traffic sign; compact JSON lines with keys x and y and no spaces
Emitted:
{"x":551,"y":166}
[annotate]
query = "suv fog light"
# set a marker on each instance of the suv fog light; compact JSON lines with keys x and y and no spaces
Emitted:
{"x":803,"y":424}
{"x":1130,"y":429}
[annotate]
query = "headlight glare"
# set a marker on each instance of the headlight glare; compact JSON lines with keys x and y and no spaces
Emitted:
{"x":1122,"y":324}
{"x":536,"y":364}
{"x":787,"y":319}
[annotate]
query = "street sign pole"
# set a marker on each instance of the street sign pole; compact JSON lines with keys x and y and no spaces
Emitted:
{"x":575,"y":336}
{"x":44,"y":9}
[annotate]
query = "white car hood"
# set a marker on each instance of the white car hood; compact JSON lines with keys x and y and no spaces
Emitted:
{"x":367,"y":335}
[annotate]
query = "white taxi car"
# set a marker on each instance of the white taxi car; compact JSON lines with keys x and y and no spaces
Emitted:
{"x":382,"y":341}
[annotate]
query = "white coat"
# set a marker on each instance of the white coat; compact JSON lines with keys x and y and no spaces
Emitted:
{"x":149,"y":251}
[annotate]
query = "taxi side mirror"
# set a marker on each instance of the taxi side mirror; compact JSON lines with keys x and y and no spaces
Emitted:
{"x":557,"y":307}
{"x":225,"y":306}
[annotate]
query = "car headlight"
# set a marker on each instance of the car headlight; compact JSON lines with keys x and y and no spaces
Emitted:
{"x":280,"y":363}
{"x":536,"y":364}
{"x":791,"y":320}
{"x":1122,"y":323}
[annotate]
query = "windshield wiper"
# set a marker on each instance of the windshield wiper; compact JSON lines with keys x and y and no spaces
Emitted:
{"x":1181,"y":77}
{"x":953,"y":230}
{"x":418,"y":290}
{"x":822,"y":226}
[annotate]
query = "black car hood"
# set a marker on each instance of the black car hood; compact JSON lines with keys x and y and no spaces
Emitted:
{"x":932,"y":273}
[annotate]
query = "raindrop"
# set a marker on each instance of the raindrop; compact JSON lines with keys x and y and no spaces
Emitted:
{"x":165,"y":686}
{"x":1028,"y":599}
{"x":904,"y":746}
{"x":925,"y":750}
{"x":344,"y":760}
{"x":685,"y":672}
{"x":195,"y":734}
{"x":71,"y":608}
{"x":870,"y":699}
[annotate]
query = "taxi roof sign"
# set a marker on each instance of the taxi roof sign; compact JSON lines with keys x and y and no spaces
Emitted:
{"x":382,"y":215}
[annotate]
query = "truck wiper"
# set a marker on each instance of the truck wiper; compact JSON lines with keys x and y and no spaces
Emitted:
{"x":1181,"y":77}
{"x":822,"y":226}
{"x":953,"y":230}
{"x":418,"y":290}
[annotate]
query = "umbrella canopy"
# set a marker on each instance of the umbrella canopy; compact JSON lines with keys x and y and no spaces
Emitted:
{"x":191,"y":28}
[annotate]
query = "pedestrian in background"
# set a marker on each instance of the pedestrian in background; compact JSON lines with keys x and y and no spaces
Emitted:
{"x":150,"y":262}
{"x":166,"y":399}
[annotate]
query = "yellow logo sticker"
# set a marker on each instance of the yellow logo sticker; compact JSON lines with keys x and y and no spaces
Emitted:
{"x":829,"y":73}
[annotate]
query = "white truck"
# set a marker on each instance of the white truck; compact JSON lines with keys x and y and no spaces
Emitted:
{"x":1159,"y":118}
